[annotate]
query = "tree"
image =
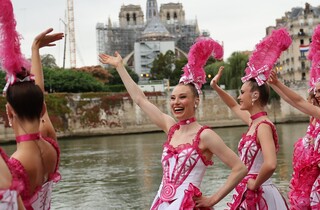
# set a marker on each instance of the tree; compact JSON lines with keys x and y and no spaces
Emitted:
{"x":237,"y":63}
{"x":97,"y":72}
{"x":2,"y":78}
{"x":163,"y":66}
{"x":72,"y":81}
{"x":49,"y":61}
{"x":116,"y":80}
{"x":212,"y":69}
{"x":177,"y":72}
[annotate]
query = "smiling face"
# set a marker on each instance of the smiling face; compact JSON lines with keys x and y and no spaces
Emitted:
{"x":183,"y":102}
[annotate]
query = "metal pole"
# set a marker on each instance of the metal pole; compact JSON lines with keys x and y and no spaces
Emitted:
{"x":65,"y":43}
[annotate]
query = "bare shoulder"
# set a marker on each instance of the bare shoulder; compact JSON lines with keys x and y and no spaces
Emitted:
{"x":208,"y":136}
{"x":265,"y":126}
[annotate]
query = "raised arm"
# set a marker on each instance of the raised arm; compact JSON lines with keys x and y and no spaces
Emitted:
{"x":42,"y":40}
{"x":45,"y":39}
{"x":161,"y":119}
{"x":229,"y":100}
{"x":216,"y":146}
{"x":292,"y":97}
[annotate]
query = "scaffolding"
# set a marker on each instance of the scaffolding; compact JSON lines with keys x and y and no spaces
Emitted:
{"x":111,"y":39}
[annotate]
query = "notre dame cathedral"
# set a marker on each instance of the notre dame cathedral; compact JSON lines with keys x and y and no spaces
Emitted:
{"x":134,"y":26}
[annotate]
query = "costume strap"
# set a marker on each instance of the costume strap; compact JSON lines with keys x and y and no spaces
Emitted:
{"x":28,"y":137}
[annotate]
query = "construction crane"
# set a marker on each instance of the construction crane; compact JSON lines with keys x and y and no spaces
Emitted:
{"x":72,"y":39}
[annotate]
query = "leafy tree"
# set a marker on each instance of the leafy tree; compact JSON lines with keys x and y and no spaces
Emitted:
{"x":237,"y":63}
{"x":2,"y":78}
{"x":177,"y":72}
{"x":212,"y":69}
{"x":49,"y":61}
{"x":115,"y":78}
{"x":162,"y":66}
{"x":73,"y":81}
{"x":97,"y":72}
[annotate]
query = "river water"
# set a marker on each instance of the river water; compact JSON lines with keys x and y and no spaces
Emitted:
{"x":124,"y":171}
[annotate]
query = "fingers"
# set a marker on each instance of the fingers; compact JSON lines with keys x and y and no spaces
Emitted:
{"x":220,"y":70}
{"x":44,"y":33}
{"x":118,"y":55}
{"x":48,"y":30}
{"x":217,"y":77}
{"x":103,"y":58}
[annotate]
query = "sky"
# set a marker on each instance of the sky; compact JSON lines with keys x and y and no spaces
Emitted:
{"x":240,"y":25}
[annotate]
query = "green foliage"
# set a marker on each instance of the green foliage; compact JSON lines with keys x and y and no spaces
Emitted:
{"x":60,"y":80}
{"x":212,"y":69}
{"x":177,"y":72}
{"x":234,"y":70}
{"x":2,"y":79}
{"x":116,"y":80}
{"x":162,"y":66}
{"x":48,"y":61}
{"x":117,"y":88}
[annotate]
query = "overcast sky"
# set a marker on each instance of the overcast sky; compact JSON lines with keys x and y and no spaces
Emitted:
{"x":239,"y":24}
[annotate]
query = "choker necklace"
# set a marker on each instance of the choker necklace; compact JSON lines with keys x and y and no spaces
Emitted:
{"x":257,"y":115}
{"x":28,"y":137}
{"x":187,"y":121}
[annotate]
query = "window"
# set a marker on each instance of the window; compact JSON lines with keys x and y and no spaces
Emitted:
{"x":175,"y":16}
{"x":128,"y":17}
{"x":303,"y":76}
{"x":168,"y":16}
{"x":303,"y":65}
{"x":301,"y":32}
{"x":134,"y":17}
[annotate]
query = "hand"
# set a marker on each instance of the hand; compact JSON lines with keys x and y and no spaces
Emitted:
{"x":112,"y":60}
{"x":204,"y":201}
{"x":45,"y":39}
{"x":214,"y":82}
{"x":251,"y":184}
{"x":273,"y":78}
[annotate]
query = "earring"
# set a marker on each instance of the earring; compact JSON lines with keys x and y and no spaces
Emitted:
{"x":195,"y":106}
{"x":252,"y":102}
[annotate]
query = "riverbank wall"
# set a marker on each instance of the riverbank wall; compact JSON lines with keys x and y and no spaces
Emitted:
{"x":93,"y":114}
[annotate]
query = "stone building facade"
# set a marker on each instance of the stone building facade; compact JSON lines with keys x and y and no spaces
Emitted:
{"x":293,"y":64}
{"x":122,"y":36}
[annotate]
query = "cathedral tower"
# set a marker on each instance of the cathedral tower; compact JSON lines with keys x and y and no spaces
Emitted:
{"x":152,"y":10}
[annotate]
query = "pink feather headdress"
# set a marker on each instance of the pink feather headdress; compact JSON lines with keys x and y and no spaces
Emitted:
{"x":265,"y":55}
{"x":11,"y":58}
{"x":199,"y":53}
{"x":314,"y":57}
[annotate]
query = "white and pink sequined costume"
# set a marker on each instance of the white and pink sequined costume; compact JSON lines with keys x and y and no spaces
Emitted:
{"x":305,"y":170}
{"x":267,"y":197}
{"x":9,"y":197}
{"x":183,"y":171}
{"x":41,"y":197}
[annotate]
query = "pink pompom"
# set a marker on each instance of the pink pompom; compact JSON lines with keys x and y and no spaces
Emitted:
{"x":266,"y":54}
{"x":314,"y":57}
{"x":11,"y":57}
{"x":199,"y":53}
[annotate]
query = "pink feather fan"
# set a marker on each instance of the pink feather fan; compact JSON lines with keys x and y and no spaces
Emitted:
{"x":265,"y":55}
{"x":199,"y":53}
{"x":314,"y":57}
{"x":10,"y":54}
